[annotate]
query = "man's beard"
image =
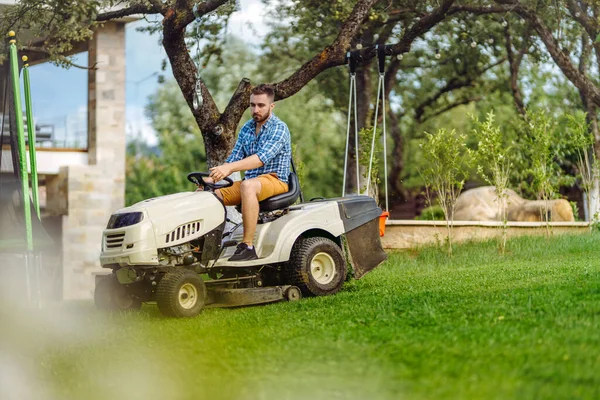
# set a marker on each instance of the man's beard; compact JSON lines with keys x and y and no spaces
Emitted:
{"x":257,"y":118}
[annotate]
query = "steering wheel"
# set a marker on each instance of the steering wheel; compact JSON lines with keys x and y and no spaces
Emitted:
{"x":196,"y":178}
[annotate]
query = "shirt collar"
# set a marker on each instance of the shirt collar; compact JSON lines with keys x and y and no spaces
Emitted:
{"x":271,"y":118}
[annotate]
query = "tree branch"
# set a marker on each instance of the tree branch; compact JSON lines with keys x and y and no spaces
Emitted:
{"x":585,"y":52}
{"x":159,"y":6}
{"x":184,"y":71}
{"x":580,"y":15}
{"x":332,"y":55}
{"x":185,"y":15}
{"x":237,"y":103}
{"x":124,"y":12}
{"x":182,"y":4}
{"x":514,"y":64}
{"x":452,"y":84}
{"x":479,"y":10}
{"x":561,"y":59}
{"x":422,"y":26}
{"x":335,"y":54}
{"x":451,"y":106}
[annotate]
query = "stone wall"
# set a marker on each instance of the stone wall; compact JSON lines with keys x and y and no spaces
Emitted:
{"x":94,"y":191}
{"x":412,"y":234}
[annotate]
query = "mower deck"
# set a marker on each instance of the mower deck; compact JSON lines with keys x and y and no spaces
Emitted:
{"x":225,"y":297}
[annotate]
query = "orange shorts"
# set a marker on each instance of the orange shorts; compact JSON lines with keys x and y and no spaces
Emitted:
{"x":270,"y":186}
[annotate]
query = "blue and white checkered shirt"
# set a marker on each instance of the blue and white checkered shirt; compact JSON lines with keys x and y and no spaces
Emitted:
{"x":272,"y":146}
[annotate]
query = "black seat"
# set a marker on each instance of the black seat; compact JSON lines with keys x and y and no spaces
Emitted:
{"x":283,"y":200}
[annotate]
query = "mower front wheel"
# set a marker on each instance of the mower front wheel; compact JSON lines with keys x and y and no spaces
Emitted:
{"x":316,"y":266}
{"x":180,"y":294}
{"x":110,"y":295}
{"x":292,"y":293}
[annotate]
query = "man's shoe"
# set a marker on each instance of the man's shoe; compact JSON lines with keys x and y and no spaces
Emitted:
{"x":243,"y":253}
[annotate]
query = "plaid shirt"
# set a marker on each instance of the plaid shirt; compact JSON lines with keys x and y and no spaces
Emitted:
{"x":272,"y":146}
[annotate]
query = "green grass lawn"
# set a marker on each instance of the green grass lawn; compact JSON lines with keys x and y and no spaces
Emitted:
{"x":481,"y":325}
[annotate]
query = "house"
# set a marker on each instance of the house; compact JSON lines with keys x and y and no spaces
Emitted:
{"x":81,"y":187}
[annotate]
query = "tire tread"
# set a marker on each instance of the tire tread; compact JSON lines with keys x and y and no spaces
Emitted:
{"x":165,"y":300}
{"x":297,"y":274}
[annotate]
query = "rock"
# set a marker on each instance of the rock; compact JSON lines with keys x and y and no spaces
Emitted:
{"x":481,"y":204}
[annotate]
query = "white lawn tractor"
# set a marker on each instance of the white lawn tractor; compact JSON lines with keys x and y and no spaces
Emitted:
{"x":173,"y":250}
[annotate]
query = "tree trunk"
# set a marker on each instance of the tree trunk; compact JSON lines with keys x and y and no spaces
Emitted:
{"x":399,"y":194}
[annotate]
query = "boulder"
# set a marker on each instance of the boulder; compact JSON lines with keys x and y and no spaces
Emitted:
{"x":481,"y":204}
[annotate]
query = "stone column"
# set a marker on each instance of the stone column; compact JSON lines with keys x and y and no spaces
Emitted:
{"x":98,"y":189}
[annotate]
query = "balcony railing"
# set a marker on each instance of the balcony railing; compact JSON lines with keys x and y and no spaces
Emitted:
{"x":61,"y":132}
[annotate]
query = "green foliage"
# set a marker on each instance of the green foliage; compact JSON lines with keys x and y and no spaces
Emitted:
{"x":580,"y":137}
{"x":477,"y":326}
{"x":180,"y":149}
{"x":66,"y":22}
{"x":575,"y":209}
{"x":432,"y":213}
{"x":492,"y":155}
{"x":300,"y":167}
{"x":493,"y":165}
{"x":447,"y":161}
{"x":578,"y":131}
{"x":541,"y":140}
{"x":366,"y":141}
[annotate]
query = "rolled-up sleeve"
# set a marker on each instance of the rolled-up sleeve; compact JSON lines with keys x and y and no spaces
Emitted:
{"x":271,"y":145}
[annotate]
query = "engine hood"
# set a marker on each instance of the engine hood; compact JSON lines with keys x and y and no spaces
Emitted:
{"x":169,"y":212}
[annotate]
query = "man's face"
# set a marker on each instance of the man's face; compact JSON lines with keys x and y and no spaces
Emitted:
{"x":261,"y":107}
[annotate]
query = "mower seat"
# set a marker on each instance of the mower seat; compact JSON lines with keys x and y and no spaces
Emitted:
{"x":283,"y":200}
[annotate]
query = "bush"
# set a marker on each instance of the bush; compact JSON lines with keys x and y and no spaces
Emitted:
{"x":433,"y":213}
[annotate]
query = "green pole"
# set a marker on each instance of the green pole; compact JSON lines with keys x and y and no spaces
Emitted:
{"x":14,"y":69}
{"x":31,"y":138}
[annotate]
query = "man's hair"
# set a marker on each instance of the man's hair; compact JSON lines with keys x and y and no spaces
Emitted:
{"x":263,"y":88}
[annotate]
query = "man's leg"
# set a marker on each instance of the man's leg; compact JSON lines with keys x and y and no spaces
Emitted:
{"x":231,"y":196}
{"x":250,"y":189}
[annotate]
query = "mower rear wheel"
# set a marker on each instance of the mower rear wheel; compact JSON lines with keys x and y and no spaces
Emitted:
{"x":316,"y":266}
{"x":110,"y":295}
{"x":181,"y":294}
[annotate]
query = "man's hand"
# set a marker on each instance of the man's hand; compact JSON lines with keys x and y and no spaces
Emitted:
{"x":201,"y":187}
{"x":220,"y":172}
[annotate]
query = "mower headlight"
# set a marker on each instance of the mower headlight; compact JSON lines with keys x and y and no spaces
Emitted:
{"x":125,"y":219}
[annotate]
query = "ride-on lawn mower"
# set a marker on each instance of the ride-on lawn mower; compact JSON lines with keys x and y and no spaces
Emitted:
{"x":173,"y":250}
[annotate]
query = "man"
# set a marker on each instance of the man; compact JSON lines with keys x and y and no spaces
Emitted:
{"x":263,"y":150}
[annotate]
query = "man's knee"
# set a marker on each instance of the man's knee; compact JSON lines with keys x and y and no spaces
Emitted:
{"x":218,"y":193}
{"x":250,"y":187}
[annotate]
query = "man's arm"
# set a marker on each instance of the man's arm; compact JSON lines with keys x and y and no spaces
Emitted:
{"x":220,"y":172}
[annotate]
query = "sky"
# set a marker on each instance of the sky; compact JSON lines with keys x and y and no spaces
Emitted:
{"x":60,"y":95}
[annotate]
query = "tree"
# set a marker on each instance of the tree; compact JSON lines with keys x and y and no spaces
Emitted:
{"x":63,"y":23}
{"x":313,"y":123}
{"x":447,"y":165}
